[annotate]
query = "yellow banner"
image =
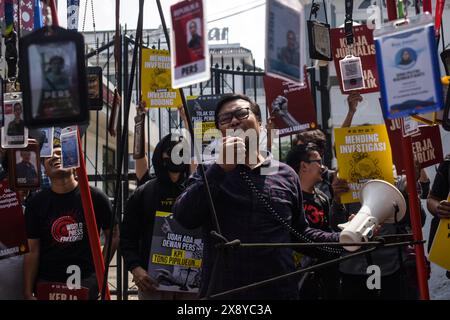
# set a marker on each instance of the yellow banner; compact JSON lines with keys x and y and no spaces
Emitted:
{"x":363,"y":153}
{"x":157,"y":91}
{"x":177,"y":258}
{"x":439,"y":253}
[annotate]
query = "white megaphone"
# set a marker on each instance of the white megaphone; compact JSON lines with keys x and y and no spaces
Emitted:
{"x":381,"y":203}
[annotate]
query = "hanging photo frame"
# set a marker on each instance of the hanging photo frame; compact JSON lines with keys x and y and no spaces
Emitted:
{"x":25,"y":167}
{"x":95,"y":87}
{"x":70,"y":156}
{"x":319,"y":38}
{"x":14,"y":132}
{"x":52,"y":78}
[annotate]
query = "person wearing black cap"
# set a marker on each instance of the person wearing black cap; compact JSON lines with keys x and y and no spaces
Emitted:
{"x":136,"y":233}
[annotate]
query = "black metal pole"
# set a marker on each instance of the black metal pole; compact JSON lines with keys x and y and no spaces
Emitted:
{"x":209,"y":199}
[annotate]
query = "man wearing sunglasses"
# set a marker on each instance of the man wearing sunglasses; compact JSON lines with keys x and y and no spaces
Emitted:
{"x":257,"y":200}
{"x":306,"y":160}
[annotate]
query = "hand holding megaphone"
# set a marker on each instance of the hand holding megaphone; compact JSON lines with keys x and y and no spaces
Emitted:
{"x":381,"y":203}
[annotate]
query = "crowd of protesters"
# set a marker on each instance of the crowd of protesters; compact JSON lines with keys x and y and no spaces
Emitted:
{"x":257,"y":199}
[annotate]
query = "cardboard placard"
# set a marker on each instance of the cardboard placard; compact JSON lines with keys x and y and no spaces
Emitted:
{"x":363,"y":48}
{"x":157,"y":91}
{"x":176,"y":255}
{"x":285,"y":34}
{"x":408,"y":67}
{"x":363,"y":153}
{"x":427,"y":144}
{"x":291,"y":104}
{"x":190,"y":53}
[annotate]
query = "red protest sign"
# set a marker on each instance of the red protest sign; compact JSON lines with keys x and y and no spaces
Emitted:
{"x":364,"y":48}
{"x":59,"y":291}
{"x":426,"y":144}
{"x":13,"y":238}
{"x":291,"y":104}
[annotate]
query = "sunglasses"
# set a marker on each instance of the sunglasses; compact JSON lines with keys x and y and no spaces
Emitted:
{"x":239,"y":114}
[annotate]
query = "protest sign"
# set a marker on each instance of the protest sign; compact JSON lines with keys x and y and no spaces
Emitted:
{"x":363,"y":153}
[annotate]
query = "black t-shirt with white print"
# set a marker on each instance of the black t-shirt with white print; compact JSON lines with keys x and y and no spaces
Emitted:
{"x":57,"y":220}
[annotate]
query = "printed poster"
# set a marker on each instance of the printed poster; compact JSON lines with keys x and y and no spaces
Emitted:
{"x":190,"y":53}
{"x":175,"y":256}
{"x":426,"y":144}
{"x":291,"y":104}
{"x":409,"y":72}
{"x":13,"y":238}
{"x":363,"y":48}
{"x":285,"y":39}
{"x":202,"y":109}
{"x":157,"y":91}
{"x":363,"y":153}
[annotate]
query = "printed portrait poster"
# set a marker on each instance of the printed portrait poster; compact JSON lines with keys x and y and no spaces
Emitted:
{"x":409,"y":72}
{"x":190,"y":53}
{"x":363,"y":153}
{"x":54,"y":80}
{"x":60,"y":291}
{"x":201,"y":109}
{"x":175,"y":256}
{"x":363,"y":48}
{"x":291,"y":104}
{"x":426,"y":144}
{"x":285,"y":40}
{"x":157,"y":91}
{"x":13,"y":238}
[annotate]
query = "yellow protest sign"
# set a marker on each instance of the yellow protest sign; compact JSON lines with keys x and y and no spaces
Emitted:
{"x":363,"y":153}
{"x":157,"y":91}
{"x":439,"y":253}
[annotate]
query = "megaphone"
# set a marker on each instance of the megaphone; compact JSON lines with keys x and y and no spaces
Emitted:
{"x":381,"y":203}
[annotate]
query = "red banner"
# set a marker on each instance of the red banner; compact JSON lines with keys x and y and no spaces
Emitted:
{"x":426,"y":144}
{"x":364,"y":48}
{"x":59,"y":291}
{"x":13,"y":238}
{"x":291,"y":105}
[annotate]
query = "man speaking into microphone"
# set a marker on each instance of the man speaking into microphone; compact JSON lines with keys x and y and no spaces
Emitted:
{"x":257,"y":200}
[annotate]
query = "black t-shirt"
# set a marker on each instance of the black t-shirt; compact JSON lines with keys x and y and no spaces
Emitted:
{"x":316,"y":209}
{"x":58,"y":221}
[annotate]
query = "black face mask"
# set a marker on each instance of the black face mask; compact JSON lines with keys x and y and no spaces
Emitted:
{"x":172,"y":167}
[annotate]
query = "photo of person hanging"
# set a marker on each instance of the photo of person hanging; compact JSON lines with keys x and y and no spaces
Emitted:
{"x":53,"y":78}
{"x":57,"y":97}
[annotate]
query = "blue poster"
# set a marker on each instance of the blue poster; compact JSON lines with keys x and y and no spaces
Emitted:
{"x":408,"y":68}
